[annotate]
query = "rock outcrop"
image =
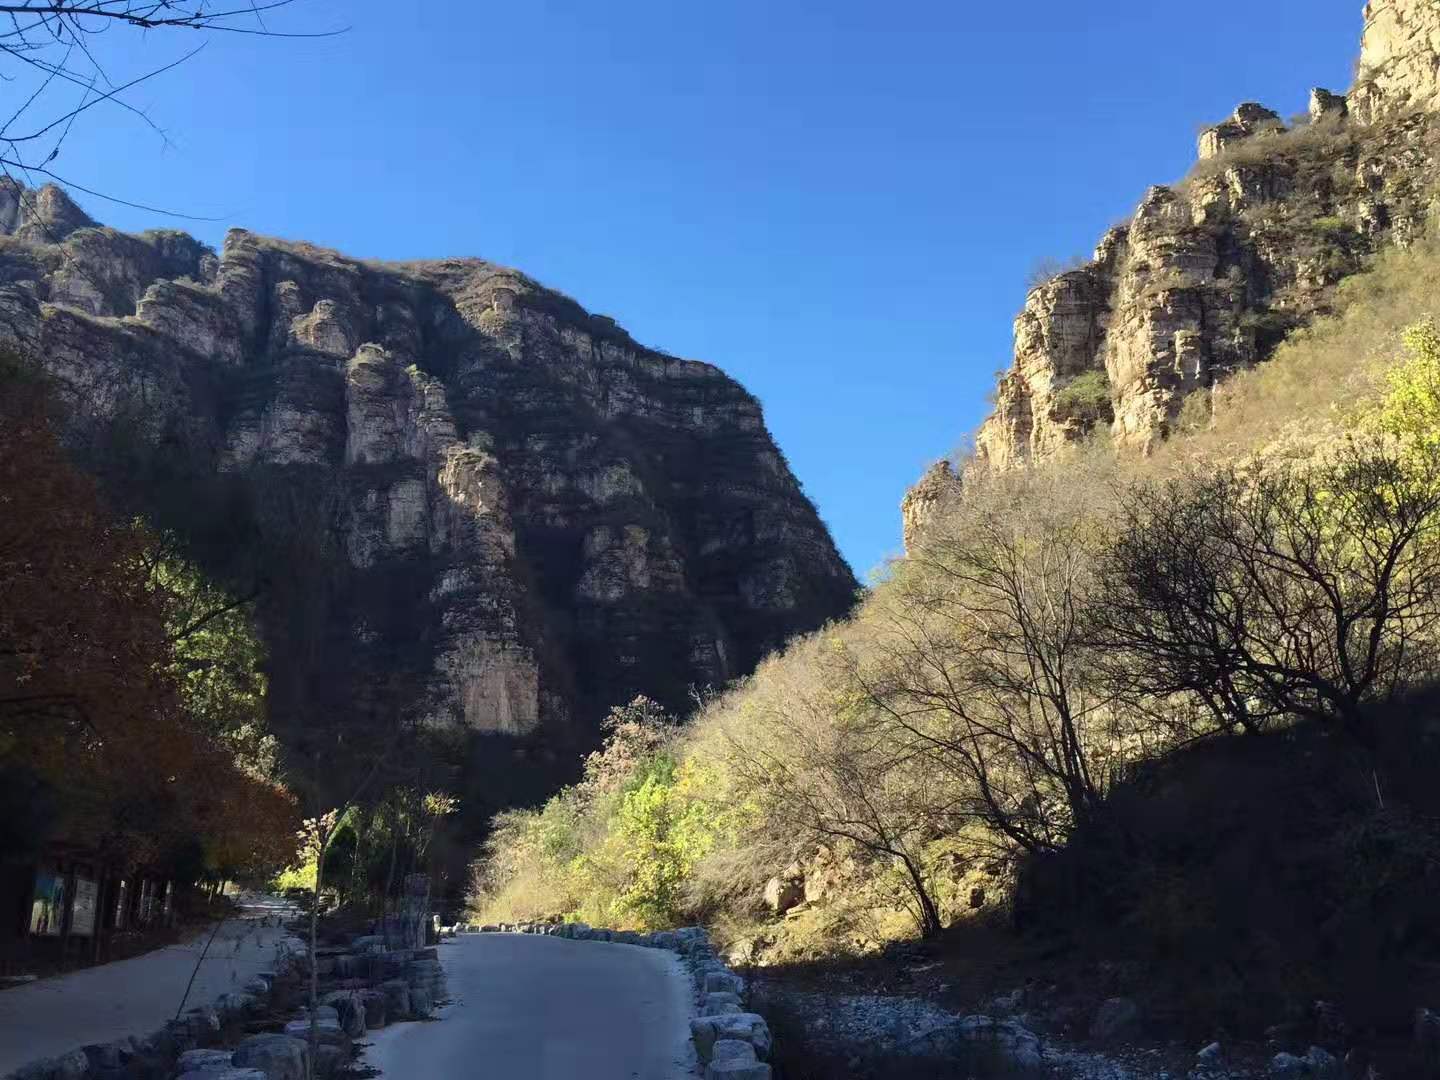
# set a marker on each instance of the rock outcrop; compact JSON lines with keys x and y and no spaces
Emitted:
{"x":466,"y":498}
{"x":1399,"y":68}
{"x":926,"y":498}
{"x":1248,"y":120}
{"x":1209,"y":274}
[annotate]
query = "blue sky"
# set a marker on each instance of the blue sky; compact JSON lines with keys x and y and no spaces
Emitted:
{"x":837,"y":202}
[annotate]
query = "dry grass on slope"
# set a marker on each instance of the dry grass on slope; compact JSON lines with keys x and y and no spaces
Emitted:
{"x":1320,"y":373}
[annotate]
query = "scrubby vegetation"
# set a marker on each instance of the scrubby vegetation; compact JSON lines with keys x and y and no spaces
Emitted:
{"x":131,"y":686}
{"x":1063,"y":710}
{"x":1167,"y":713}
{"x":1085,"y":398}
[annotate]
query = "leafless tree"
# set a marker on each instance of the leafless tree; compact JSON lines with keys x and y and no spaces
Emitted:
{"x":53,"y":62}
{"x":981,"y":658}
{"x":804,"y":748}
{"x":1301,"y":589}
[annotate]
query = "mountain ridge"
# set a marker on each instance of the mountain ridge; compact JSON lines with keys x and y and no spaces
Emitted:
{"x":1209,"y":275}
{"x":477,"y":503}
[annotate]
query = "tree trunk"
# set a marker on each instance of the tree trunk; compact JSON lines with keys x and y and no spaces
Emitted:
{"x":314,"y":967}
{"x":929,"y":914}
{"x":394,"y":854}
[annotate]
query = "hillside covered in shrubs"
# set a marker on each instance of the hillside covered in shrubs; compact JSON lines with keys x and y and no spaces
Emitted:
{"x":1172,"y":712}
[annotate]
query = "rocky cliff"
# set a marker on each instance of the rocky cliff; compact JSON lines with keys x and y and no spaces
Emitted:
{"x":1209,"y":274}
{"x":464,"y":498}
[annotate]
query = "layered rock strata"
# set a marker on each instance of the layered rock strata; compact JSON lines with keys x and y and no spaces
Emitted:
{"x":1209,"y":274}
{"x":467,"y":500}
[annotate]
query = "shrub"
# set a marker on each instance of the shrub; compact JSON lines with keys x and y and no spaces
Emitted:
{"x":1086,"y":398}
{"x":1049,"y":268}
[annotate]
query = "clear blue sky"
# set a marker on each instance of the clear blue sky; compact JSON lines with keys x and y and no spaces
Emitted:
{"x":837,"y":202}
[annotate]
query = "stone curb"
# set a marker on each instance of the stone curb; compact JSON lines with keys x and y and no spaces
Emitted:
{"x":364,"y":985}
{"x":732,"y":1044}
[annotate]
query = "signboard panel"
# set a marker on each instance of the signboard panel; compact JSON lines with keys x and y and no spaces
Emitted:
{"x":47,"y":911}
{"x":122,"y":904}
{"x":147,"y":901}
{"x":84,"y":907}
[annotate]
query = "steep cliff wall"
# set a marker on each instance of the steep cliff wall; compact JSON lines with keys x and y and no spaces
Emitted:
{"x":1209,"y":274}
{"x":465,"y":498}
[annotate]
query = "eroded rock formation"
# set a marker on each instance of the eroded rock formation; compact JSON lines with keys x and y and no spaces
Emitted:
{"x":1399,"y":68}
{"x":1209,"y":274}
{"x":469,"y":499}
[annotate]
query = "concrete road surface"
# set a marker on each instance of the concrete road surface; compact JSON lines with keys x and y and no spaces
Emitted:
{"x":540,"y":1008}
{"x":136,"y":996}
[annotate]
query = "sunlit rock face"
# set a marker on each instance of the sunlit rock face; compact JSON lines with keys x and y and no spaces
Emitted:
{"x":1209,"y":274}
{"x":1399,"y":69}
{"x":926,"y":499}
{"x":471,"y":497}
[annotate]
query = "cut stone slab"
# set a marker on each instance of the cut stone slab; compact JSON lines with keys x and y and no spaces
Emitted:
{"x":723,"y":982}
{"x":733,"y":1059}
{"x":746,"y":1027}
{"x":204,"y":1060}
{"x":279,"y":1057}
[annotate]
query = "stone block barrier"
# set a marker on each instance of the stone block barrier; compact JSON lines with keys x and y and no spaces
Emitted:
{"x":732,"y":1044}
{"x":363,"y":985}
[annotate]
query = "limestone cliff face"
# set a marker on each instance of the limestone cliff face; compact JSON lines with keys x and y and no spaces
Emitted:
{"x":927,"y":498}
{"x":1399,"y":68}
{"x":468,"y":495}
{"x":1209,"y":274}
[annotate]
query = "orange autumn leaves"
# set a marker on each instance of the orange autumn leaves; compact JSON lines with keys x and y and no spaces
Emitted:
{"x":88,"y":703}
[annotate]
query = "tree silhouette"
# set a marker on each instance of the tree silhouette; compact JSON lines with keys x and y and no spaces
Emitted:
{"x":52,"y":57}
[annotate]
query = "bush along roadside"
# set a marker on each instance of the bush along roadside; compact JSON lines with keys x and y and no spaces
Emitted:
{"x":731,"y":1043}
{"x":245,"y":1034}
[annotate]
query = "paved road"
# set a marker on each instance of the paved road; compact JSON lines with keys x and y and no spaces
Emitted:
{"x":541,"y":1008}
{"x":135,"y":996}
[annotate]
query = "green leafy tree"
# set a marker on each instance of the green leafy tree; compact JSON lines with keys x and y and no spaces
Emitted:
{"x":218,"y":659}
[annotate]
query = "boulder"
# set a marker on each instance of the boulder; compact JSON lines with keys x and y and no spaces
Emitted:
{"x":349,"y":1007}
{"x":722,"y":981}
{"x":1210,"y":1055}
{"x":197,"y":1061}
{"x":1289,"y":1066}
{"x":984,"y":1044}
{"x":734,"y":1059}
{"x":325,"y":1033}
{"x":279,"y":1057}
{"x":783,"y":892}
{"x":746,"y":1027}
